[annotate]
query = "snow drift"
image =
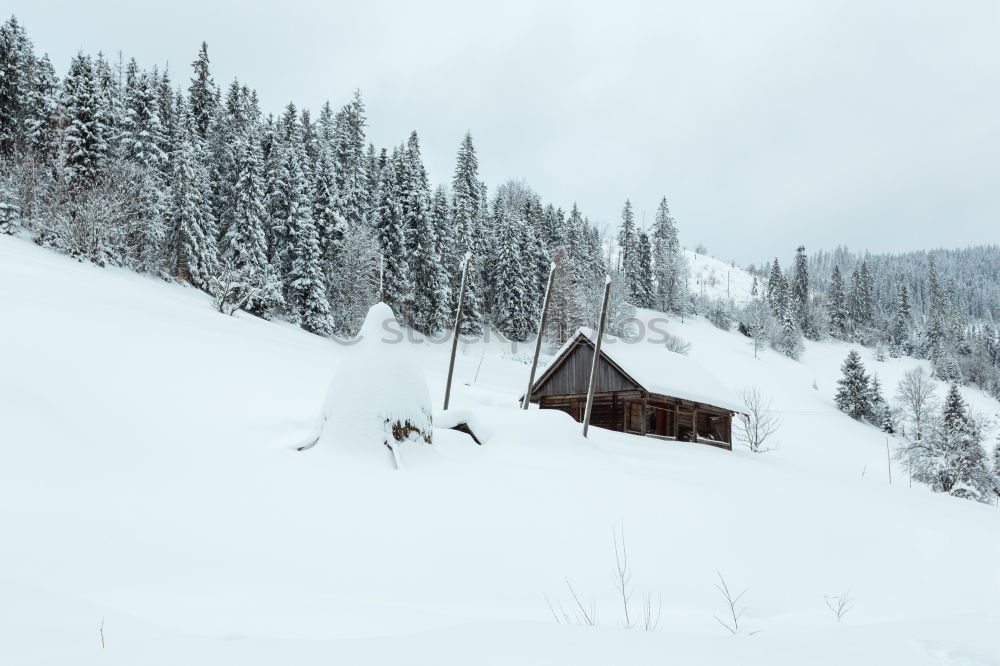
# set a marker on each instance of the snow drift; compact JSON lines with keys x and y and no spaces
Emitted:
{"x":378,"y":398}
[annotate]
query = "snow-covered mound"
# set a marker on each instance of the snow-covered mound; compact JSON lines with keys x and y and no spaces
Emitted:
{"x":378,"y":398}
{"x":149,"y":485}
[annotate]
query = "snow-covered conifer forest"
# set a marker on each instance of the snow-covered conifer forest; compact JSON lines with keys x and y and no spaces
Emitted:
{"x":183,"y":269}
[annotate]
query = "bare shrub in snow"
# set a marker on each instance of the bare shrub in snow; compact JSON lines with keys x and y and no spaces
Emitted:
{"x":112,"y":222}
{"x":238,"y":288}
{"x":839,"y":604}
{"x":581,"y":613}
{"x":650,"y":618}
{"x":229,"y":290}
{"x":759,"y":423}
{"x":735,"y":611}
{"x":585,"y":612}
{"x":676,"y":344}
{"x":622,"y":575}
{"x":720,"y":313}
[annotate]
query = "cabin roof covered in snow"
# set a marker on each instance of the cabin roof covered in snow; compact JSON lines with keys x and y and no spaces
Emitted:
{"x":654,"y":368}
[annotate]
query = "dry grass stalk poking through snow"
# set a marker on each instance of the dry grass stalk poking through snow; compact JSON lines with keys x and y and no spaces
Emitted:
{"x":586,"y":613}
{"x":732,"y":623}
{"x":839,"y":604}
{"x":583,"y":614}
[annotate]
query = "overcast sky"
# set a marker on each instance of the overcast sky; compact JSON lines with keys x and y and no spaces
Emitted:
{"x":766,"y":124}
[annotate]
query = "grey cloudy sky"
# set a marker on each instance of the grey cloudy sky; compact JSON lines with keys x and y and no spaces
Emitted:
{"x":766,"y":124}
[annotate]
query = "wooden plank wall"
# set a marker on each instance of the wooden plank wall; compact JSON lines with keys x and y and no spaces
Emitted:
{"x":572,"y":376}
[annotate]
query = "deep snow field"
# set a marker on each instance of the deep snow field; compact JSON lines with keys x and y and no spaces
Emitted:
{"x":149,"y":482}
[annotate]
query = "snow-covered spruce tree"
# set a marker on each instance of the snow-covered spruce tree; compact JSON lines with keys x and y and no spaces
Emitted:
{"x":142,"y":132}
{"x":996,"y":469}
{"x":84,"y":139}
{"x":537,"y":263}
{"x":244,"y":246}
{"x":396,"y":286}
{"x":512,"y":314}
{"x":644,"y":280}
{"x":141,"y":142}
{"x":326,"y":209}
{"x":193,"y":255}
{"x":289,"y":198}
{"x":202,"y":93}
{"x":468,"y":214}
{"x":17,"y":62}
{"x":374,"y":161}
{"x":348,"y":154}
{"x":306,"y":283}
{"x":447,"y":247}
{"x":854,"y":389}
{"x":300,"y":255}
{"x":860,"y":303}
{"x":10,"y":211}
{"x":109,"y":82}
{"x":668,"y":263}
{"x":902,"y":322}
{"x":938,"y":323}
{"x":431,"y":291}
{"x":952,"y":459}
{"x":788,"y":338}
{"x":777,"y":290}
{"x":41,"y":113}
{"x":800,"y":295}
{"x":628,"y":257}
{"x":881,"y":415}
{"x":836,"y":303}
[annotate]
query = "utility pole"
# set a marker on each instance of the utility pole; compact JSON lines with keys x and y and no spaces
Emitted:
{"x":538,"y":340}
{"x":597,"y":356}
{"x":455,"y":333}
{"x":888,"y":458}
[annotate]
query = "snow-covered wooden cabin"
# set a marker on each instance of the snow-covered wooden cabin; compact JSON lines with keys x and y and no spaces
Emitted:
{"x":642,"y":388}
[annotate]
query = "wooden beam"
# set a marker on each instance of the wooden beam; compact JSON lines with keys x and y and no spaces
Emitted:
{"x":643,"y":430}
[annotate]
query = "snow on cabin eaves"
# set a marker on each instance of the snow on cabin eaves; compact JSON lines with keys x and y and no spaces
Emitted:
{"x":658,"y":370}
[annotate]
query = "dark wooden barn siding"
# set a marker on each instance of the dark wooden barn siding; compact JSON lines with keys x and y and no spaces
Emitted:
{"x":573,"y":375}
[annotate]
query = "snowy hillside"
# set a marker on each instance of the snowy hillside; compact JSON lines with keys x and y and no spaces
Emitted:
{"x":714,"y":279}
{"x":149,"y":485}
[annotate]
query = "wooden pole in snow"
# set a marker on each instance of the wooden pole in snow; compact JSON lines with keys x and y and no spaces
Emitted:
{"x":455,"y":333}
{"x":597,"y":357}
{"x":538,"y":341}
{"x":888,"y":459}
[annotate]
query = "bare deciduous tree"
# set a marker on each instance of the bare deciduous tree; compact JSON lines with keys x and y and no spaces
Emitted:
{"x":915,"y":397}
{"x":759,"y":422}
